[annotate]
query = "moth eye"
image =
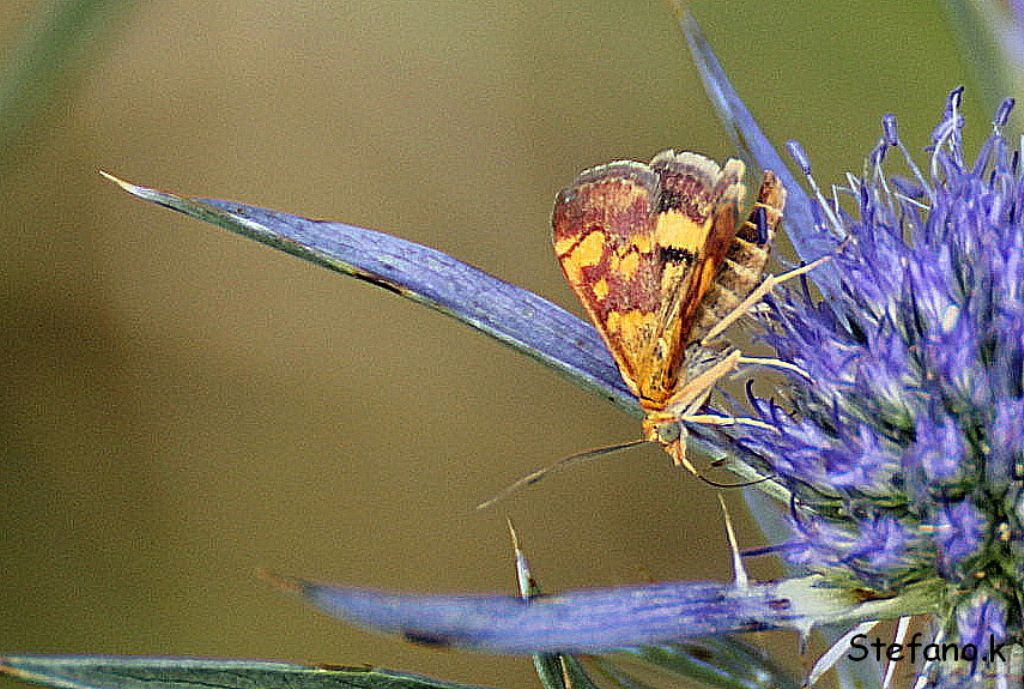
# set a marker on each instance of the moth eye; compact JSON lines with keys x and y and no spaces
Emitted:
{"x":668,"y":432}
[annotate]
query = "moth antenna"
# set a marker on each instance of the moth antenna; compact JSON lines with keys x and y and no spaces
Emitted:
{"x":742,"y":484}
{"x":564,"y":463}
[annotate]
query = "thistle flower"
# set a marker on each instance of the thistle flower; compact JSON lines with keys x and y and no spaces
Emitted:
{"x":902,"y":448}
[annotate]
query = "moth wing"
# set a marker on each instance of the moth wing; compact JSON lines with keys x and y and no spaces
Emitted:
{"x":640,"y":245}
{"x":695,"y":224}
{"x":603,"y":234}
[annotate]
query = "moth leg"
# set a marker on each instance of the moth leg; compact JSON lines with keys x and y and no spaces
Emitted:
{"x":766,"y":286}
{"x":665,"y":428}
{"x":685,"y":406}
{"x":716,"y":420}
{"x":697,"y":389}
{"x":677,"y":448}
{"x":774,"y":363}
{"x":677,"y":451}
{"x":690,"y":415}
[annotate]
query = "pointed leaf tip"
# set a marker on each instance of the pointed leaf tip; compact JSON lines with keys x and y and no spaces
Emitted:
{"x":137,"y":190}
{"x":127,"y":186}
{"x":679,"y":9}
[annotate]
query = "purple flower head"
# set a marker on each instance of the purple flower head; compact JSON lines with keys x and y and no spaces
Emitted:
{"x":903,"y":446}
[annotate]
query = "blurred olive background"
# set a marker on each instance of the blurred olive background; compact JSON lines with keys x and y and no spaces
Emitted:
{"x":182,"y":407}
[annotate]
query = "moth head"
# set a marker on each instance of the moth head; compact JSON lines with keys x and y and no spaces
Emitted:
{"x":668,"y":432}
{"x":661,"y":431}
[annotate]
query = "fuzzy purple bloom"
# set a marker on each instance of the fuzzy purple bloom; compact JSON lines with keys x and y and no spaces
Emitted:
{"x":903,"y":446}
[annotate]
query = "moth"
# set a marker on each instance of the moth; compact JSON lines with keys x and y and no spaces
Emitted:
{"x":659,"y":258}
{"x":662,"y":263}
